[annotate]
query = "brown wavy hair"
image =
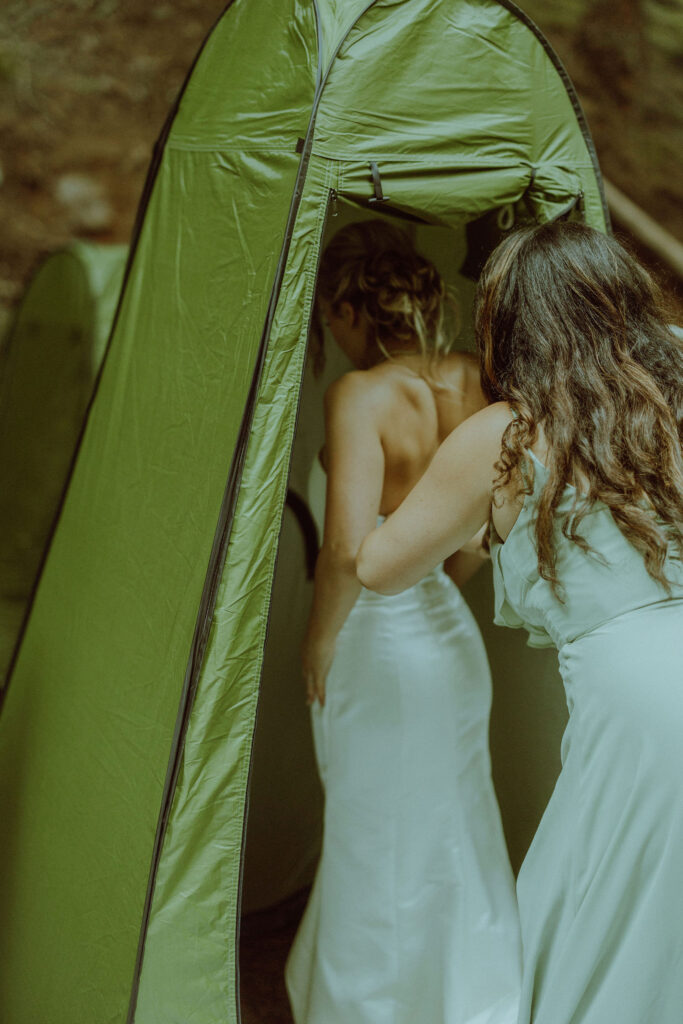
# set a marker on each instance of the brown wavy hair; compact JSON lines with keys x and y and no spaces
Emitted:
{"x":574,"y":334}
{"x":375,"y":267}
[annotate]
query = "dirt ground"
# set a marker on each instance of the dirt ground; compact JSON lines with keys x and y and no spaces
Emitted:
{"x":85,"y":86}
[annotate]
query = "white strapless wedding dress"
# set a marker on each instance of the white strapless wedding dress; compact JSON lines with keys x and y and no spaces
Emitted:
{"x":412,"y":918}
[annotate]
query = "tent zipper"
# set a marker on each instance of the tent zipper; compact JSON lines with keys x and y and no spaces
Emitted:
{"x":382,"y":207}
{"x":331,"y":210}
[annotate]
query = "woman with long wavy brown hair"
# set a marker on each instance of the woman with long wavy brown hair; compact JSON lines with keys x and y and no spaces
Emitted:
{"x":577,"y":468}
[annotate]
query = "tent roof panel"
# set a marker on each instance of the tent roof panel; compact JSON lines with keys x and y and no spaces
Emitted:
{"x":484,"y":119}
{"x":485,"y":84}
{"x":337,"y":18}
{"x":255,"y":80}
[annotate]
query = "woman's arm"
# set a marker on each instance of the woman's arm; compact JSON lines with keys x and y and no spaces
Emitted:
{"x":462,"y":565}
{"x":445,"y":509}
{"x":355,"y":476}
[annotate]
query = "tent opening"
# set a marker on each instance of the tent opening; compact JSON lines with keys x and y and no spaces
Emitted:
{"x":285,"y":816}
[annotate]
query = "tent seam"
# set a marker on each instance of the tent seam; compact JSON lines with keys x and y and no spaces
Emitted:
{"x":217,"y":147}
{"x":264,"y":615}
{"x":409,"y":160}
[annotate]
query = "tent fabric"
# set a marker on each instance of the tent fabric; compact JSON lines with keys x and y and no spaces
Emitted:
{"x":127,"y":729}
{"x":49,"y":360}
{"x":466,"y":72}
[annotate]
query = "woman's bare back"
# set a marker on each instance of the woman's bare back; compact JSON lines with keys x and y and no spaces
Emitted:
{"x":416,"y":410}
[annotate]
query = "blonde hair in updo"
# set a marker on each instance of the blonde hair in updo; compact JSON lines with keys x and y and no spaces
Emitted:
{"x":375,"y":267}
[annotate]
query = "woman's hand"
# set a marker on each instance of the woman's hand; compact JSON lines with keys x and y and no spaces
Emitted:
{"x":462,"y":565}
{"x":316,"y":657}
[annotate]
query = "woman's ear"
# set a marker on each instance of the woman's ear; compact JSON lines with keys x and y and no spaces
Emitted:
{"x":347,"y":314}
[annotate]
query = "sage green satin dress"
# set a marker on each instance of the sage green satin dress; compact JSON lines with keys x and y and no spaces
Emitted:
{"x":601,"y":889}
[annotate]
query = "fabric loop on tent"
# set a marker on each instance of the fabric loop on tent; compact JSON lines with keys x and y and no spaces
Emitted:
{"x":379,"y":196}
{"x":506,"y":217}
{"x":575,"y":204}
{"x":552,"y":192}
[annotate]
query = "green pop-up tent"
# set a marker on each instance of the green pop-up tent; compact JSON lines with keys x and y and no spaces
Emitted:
{"x":128,"y":719}
{"x":49,"y":361}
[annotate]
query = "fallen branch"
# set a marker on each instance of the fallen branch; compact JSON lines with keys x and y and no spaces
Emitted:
{"x":644,"y":229}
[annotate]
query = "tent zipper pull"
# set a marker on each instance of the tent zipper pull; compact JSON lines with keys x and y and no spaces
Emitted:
{"x":379,"y":196}
{"x":333,"y":201}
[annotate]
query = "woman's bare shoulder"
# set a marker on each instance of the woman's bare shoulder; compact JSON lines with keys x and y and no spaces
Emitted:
{"x":461,"y":360}
{"x":460,"y":372}
{"x":496,"y":416}
{"x":458,"y":357}
{"x":486,"y":427}
{"x":349,"y":393}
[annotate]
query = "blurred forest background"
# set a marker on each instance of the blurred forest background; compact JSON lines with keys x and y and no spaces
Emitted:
{"x":85,"y":86}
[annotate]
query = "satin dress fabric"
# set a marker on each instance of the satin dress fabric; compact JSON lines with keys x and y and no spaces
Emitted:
{"x":601,"y":889}
{"x":412,"y":916}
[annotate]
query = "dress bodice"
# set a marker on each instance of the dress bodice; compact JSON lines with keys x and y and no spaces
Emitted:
{"x":595,"y":588}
